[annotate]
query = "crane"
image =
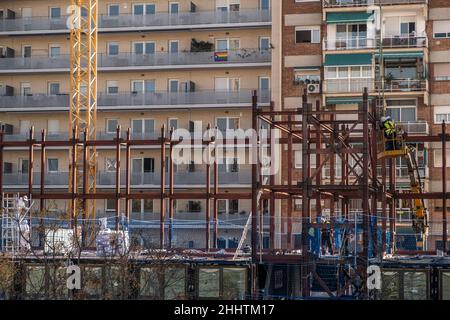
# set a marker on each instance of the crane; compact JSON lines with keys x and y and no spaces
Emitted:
{"x":83,"y":106}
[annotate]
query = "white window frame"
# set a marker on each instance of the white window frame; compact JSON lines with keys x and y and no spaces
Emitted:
{"x":312,"y":29}
{"x":49,"y":84}
{"x":133,"y":51}
{"x":144,"y":7}
{"x":109,"y":84}
{"x":143,"y":123}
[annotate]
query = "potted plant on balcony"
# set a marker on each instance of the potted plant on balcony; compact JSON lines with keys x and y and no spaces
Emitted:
{"x":388,"y":80}
{"x":201,"y":46}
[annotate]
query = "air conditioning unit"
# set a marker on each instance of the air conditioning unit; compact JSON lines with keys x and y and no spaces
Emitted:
{"x":314,"y":88}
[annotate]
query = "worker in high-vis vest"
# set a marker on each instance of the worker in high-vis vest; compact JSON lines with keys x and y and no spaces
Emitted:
{"x":388,"y":126}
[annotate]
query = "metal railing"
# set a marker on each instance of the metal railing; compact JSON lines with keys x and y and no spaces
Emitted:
{"x":356,"y":43}
{"x":135,"y":100}
{"x":399,"y":85}
{"x":108,"y":179}
{"x":347,"y":85}
{"x":359,"y":3}
{"x":139,"y":22}
{"x":415,"y":127}
{"x":157,"y":59}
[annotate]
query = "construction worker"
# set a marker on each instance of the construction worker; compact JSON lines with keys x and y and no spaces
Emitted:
{"x":388,"y":126}
{"x":327,"y":244}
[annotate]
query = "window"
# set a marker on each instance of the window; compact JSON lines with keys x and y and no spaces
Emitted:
{"x":173,"y":46}
{"x":194,"y":206}
{"x":113,"y":48}
{"x":24,"y":166}
{"x":307,"y":35}
{"x":438,"y":158}
{"x":112,"y":87}
{"x":233,"y":206}
{"x":142,"y":86}
{"x":52,"y":165}
{"x":113,"y":10}
{"x":111,"y":125}
{"x":110,"y":164}
{"x":228,"y":44}
{"x":441,"y":29}
{"x":147,"y":47}
{"x":173,"y":85}
{"x":227,"y":84}
{"x":144,"y":9}
{"x":224,"y":124}
{"x":441,"y":114}
{"x":110,"y":205}
{"x":52,"y":126}
{"x":26,"y":51}
{"x":172,"y":123}
{"x":407,"y":28}
{"x":348,"y":72}
{"x":264,"y":83}
{"x":142,"y":205}
{"x":53,"y":88}
{"x":25,"y":88}
{"x":264,"y":4}
{"x":54,"y":50}
{"x":174,"y":7}
{"x":402,"y":110}
{"x":351,"y":36}
{"x":55,"y":13}
{"x":264,"y":43}
{"x":442,"y":71}
{"x":142,"y":127}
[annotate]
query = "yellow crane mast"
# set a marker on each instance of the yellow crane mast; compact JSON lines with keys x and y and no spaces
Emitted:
{"x":83,"y":103}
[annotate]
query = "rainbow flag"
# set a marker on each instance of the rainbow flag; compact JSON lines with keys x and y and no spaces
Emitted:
{"x":220,"y":56}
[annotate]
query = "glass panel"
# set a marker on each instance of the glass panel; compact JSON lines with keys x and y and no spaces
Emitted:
{"x":174,"y":8}
{"x":173,"y":46}
{"x":175,"y":279}
{"x":138,"y":48}
{"x":150,"y":9}
{"x":331,"y":72}
{"x":137,"y":126}
{"x":138,"y":9}
{"x":390,"y":283}
{"x":35,"y":282}
{"x":149,"y":47}
{"x":148,"y":205}
{"x":355,"y":72}
{"x":445,"y":285}
{"x":264,"y":83}
{"x":138,"y":86}
{"x":234,"y":283}
{"x":112,"y":125}
{"x":265,"y":4}
{"x":394,"y":113}
{"x":343,"y":72}
{"x":113,"y":10}
{"x":55,"y":13}
{"x":264,"y":44}
{"x":136,"y":206}
{"x":113,"y":49}
{"x":92,"y":281}
{"x":221,"y":45}
{"x":415,"y":286}
{"x":52,"y":165}
{"x":149,"y":126}
{"x":222,"y":124}
{"x":209,"y":283}
{"x":408,"y":114}
{"x":150,"y":86}
{"x":173,"y":85}
{"x":303,"y":36}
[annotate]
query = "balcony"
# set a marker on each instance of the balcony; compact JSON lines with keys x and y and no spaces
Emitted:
{"x":361,"y":43}
{"x":148,"y":179}
{"x":348,"y":85}
{"x":130,"y":100}
{"x":363,"y":3}
{"x":131,"y":61}
{"x":403,"y":85}
{"x":158,"y":21}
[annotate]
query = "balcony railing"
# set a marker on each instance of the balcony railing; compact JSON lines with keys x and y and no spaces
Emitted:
{"x":359,"y":3}
{"x":136,"y":100}
{"x":136,"y":22}
{"x":125,"y":60}
{"x":358,"y":43}
{"x":348,"y":85}
{"x":415,"y":127}
{"x":403,"y":85}
{"x":108,"y":179}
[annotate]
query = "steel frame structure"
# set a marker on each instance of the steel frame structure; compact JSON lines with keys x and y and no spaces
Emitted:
{"x":353,"y":141}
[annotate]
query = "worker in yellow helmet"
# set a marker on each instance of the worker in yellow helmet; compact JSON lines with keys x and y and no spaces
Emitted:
{"x":388,"y":126}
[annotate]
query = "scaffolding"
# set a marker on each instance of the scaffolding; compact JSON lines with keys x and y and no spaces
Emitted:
{"x":325,"y":135}
{"x":15,"y":226}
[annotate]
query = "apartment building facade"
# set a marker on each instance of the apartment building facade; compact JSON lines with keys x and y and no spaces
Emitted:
{"x":336,"y":48}
{"x":182,"y":64}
